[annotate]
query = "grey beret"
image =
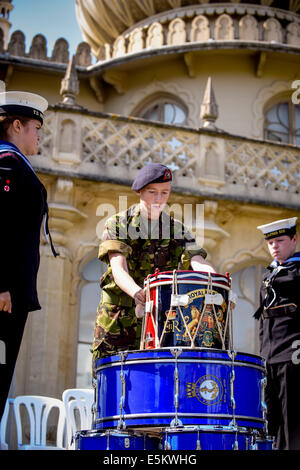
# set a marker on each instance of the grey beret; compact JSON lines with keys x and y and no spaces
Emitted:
{"x":152,"y":173}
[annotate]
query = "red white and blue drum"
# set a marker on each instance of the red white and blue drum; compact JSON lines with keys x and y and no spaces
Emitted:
{"x":207,"y":438}
{"x":160,"y":387}
{"x":186,"y":309}
{"x":115,"y":440}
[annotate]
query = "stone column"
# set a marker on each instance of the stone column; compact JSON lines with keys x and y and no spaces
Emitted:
{"x":5,"y":9}
{"x":213,"y":234}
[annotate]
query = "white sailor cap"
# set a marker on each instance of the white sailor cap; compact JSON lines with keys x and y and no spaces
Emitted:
{"x":23,"y":103}
{"x":279,"y":228}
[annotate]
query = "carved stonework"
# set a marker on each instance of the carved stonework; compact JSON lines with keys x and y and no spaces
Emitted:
{"x":118,"y":79}
{"x":67,"y":141}
{"x":177,"y":32}
{"x":155,"y":36}
{"x":83,"y":55}
{"x":209,"y":107}
{"x":63,"y":215}
{"x":293,"y":34}
{"x":136,"y":41}
{"x":16,"y":44}
{"x":224,"y":29}
{"x":38,"y":49}
{"x":200,"y":30}
{"x":109,"y":19}
{"x":60,"y":51}
{"x":248,"y":28}
{"x":70,"y":84}
{"x":212,"y":163}
{"x":272,"y":30}
{"x":119,"y":48}
{"x":204,"y":160}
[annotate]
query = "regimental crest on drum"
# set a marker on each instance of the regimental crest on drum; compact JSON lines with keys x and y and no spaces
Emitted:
{"x":186,"y":309}
{"x":207,"y":334}
{"x":208,"y":390}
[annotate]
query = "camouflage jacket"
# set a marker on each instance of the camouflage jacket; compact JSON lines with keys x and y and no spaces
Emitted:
{"x":165,"y":244}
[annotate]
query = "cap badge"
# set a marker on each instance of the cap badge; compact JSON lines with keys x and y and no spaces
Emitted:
{"x":167,"y":175}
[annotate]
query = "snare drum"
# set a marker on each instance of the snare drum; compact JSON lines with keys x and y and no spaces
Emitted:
{"x":160,"y":387}
{"x":207,"y":438}
{"x":186,"y":309}
{"x":114,"y":440}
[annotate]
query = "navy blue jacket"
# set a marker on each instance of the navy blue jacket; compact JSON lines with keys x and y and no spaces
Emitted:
{"x":279,"y":333}
{"x":23,"y":203}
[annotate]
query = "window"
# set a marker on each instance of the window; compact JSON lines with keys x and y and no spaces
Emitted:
{"x":89,"y":300}
{"x":164,"y":108}
{"x":282,"y":123}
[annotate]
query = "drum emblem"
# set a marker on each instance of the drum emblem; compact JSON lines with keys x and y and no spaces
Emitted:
{"x":208,"y":390}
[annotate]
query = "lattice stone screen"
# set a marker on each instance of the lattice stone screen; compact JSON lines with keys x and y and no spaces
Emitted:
{"x":115,"y":148}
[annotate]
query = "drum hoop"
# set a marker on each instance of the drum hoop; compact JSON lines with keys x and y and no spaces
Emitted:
{"x":182,"y":273}
{"x":181,"y":360}
{"x":194,"y":282}
{"x":198,"y":349}
{"x":180,"y":415}
{"x":209,"y":429}
{"x":111,"y":432}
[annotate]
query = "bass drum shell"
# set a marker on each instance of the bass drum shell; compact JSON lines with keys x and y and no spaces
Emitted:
{"x":209,"y":384}
{"x":114,"y":440}
{"x":207,"y":438}
{"x":264,"y":443}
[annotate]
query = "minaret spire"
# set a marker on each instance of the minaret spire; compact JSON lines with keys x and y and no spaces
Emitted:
{"x":209,"y":108}
{"x":70,"y":84}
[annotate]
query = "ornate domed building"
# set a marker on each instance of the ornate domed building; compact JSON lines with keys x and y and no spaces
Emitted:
{"x":211,"y":89}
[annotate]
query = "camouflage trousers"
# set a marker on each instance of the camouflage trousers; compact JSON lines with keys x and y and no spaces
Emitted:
{"x":116,"y":329}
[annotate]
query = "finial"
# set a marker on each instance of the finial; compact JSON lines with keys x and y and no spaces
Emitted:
{"x":70,"y":84}
{"x":209,"y":108}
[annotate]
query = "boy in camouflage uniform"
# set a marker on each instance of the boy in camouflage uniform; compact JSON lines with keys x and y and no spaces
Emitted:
{"x":132,"y":251}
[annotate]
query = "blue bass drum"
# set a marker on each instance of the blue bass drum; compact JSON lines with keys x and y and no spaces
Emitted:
{"x":114,"y":440}
{"x":207,"y":438}
{"x":174,"y":386}
{"x":264,"y":443}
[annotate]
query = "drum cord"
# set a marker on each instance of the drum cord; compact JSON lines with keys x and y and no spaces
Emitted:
{"x":148,"y":311}
{"x":174,"y":292}
{"x":149,"y":317}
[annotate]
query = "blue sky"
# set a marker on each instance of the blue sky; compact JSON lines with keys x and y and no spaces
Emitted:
{"x":52,"y":18}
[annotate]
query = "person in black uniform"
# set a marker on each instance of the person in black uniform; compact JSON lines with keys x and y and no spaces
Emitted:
{"x":279,"y":333}
{"x":23,"y":204}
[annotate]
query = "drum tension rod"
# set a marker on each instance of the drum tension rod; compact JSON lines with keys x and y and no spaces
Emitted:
{"x":176,"y":353}
{"x":121,"y":423}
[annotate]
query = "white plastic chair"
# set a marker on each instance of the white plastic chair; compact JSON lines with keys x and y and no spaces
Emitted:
{"x":79,"y":415}
{"x":39,"y":409}
{"x":3,"y":424}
